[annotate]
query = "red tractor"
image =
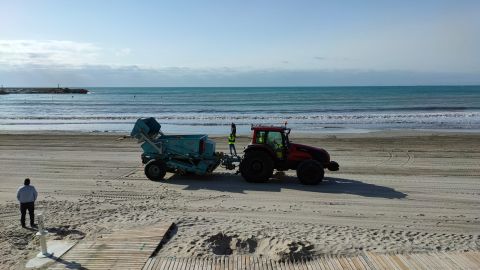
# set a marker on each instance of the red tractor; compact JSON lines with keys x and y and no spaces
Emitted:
{"x":271,"y":149}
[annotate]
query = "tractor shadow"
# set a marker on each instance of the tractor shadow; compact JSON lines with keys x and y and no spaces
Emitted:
{"x":226,"y":182}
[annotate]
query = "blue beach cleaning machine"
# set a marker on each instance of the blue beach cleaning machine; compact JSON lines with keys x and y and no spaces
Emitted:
{"x":177,"y":153}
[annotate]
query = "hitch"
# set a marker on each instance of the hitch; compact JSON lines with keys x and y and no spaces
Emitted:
{"x":230,"y":162}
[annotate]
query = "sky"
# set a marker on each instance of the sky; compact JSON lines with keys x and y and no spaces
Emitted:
{"x":239,"y":43}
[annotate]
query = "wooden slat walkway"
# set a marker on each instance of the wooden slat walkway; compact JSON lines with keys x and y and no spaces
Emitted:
{"x":119,"y":250}
{"x":364,"y":261}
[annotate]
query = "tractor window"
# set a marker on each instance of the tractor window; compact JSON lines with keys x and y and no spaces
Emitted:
{"x":275,"y":139}
{"x":260,"y":137}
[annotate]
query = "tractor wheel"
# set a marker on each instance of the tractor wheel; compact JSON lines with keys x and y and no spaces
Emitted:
{"x":155,"y":170}
{"x":310,"y":172}
{"x":256,"y":166}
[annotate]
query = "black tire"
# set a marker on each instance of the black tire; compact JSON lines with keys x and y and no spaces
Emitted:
{"x":155,"y":170}
{"x":310,"y":172}
{"x":256,"y":166}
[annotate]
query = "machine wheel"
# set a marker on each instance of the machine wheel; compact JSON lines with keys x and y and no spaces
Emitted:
{"x":310,"y":172}
{"x":155,"y":170}
{"x":256,"y":166}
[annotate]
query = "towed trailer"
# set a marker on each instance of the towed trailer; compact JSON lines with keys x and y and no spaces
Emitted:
{"x":269,"y":150}
{"x":177,"y":153}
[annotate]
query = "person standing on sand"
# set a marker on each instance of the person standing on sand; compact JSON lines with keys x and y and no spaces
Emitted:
{"x":231,"y":144}
{"x":27,"y":195}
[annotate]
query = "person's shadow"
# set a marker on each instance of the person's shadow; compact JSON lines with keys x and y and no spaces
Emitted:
{"x":236,"y":184}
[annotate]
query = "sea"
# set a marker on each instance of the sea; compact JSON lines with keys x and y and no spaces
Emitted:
{"x":211,"y":110}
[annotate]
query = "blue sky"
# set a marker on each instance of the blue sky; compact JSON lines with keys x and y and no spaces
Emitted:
{"x":217,"y":43}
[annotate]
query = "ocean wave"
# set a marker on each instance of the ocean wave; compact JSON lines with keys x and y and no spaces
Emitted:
{"x":235,"y":107}
{"x":195,"y":118}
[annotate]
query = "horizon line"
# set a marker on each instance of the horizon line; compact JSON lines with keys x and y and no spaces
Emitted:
{"x":230,"y":86}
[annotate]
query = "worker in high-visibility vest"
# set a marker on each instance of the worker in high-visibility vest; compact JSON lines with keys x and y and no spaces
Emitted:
{"x":278,"y":148}
{"x":231,"y":144}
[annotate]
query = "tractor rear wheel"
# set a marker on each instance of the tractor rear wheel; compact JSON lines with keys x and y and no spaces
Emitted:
{"x":256,"y":166}
{"x":155,"y":170}
{"x":310,"y":172}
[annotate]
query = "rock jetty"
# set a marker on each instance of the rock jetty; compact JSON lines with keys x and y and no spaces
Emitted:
{"x":45,"y":90}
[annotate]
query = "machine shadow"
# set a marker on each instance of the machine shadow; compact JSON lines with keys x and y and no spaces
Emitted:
{"x":236,"y":184}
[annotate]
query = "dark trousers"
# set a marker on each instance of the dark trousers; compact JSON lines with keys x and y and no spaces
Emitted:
{"x":30,"y":206}
{"x":232,"y":147}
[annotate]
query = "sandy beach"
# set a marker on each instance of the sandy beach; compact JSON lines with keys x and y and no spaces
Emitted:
{"x":395,"y":192}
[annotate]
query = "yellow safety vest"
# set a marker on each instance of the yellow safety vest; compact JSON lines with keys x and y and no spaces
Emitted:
{"x":231,"y":139}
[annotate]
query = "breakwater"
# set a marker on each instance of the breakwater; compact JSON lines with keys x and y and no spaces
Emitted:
{"x":42,"y":90}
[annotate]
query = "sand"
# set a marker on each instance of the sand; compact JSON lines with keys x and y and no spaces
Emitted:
{"x":395,"y":192}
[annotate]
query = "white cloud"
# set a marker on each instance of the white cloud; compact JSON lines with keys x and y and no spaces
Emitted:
{"x":48,"y":62}
{"x":47,"y":53}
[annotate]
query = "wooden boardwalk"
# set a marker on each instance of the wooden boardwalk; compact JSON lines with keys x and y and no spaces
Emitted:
{"x":136,"y":249}
{"x":365,"y":261}
{"x":119,"y":250}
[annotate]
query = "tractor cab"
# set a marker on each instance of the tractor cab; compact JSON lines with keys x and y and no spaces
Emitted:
{"x":272,"y":138}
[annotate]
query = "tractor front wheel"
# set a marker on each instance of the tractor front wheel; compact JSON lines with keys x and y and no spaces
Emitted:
{"x":256,"y":166}
{"x":310,"y":172}
{"x":155,"y":170}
